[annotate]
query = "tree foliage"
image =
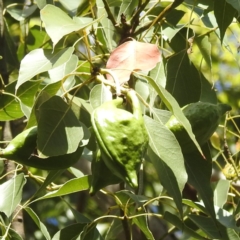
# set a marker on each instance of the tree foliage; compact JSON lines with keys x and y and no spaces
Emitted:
{"x":64,"y":59}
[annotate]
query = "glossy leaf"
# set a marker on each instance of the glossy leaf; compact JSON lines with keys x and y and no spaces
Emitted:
{"x":27,"y":91}
{"x":11,"y":194}
{"x":183,"y":81}
{"x":221,"y":192}
{"x":176,"y":221}
{"x":70,"y":232}
{"x":71,"y":186}
{"x":235,"y":4}
{"x":199,"y":173}
{"x":19,"y":13}
{"x":36,"y":38}
{"x":167,"y":158}
{"x":205,"y":48}
{"x":159,"y":74}
{"x":10,"y":107}
{"x":41,"y":60}
{"x":57,"y":126}
{"x":59,"y":24}
{"x":58,"y":73}
{"x":227,"y":219}
{"x":161,"y":115}
{"x":38,"y":222}
{"x":99,"y":94}
{"x":142,"y":88}
{"x":172,"y":105}
{"x":213,"y":229}
{"x":208,"y":93}
{"x":224,"y":13}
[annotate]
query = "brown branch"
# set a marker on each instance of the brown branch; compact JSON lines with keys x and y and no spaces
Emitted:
{"x":110,"y":15}
{"x":166,"y":10}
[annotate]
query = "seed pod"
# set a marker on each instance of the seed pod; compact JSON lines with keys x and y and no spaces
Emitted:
{"x":121,"y":136}
{"x":204,"y":119}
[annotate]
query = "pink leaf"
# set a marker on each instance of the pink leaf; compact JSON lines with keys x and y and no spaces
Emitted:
{"x":132,"y":56}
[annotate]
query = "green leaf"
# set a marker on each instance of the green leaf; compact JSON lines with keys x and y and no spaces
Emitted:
{"x":9,"y":50}
{"x":82,"y":109}
{"x":42,"y":3}
{"x":199,"y":173}
{"x":226,"y":218}
{"x":174,"y":220}
{"x":90,"y":232}
{"x":194,"y":205}
{"x":37,"y":221}
{"x":11,"y":194}
{"x":109,"y":33}
{"x":79,"y":217}
{"x":211,"y":227}
{"x":161,"y":115}
{"x":141,"y":87}
{"x":235,"y":4}
{"x":76,"y":172}
{"x":170,"y":31}
{"x":205,"y":48}
{"x":36,"y":38}
{"x":167,"y":158}
{"x":127,"y":203}
{"x":142,"y":223}
{"x":57,"y":126}
{"x":27,"y":91}
{"x":126,"y":9}
{"x":172,"y":105}
{"x":224,"y":13}
{"x":208,"y":93}
{"x":73,"y":6}
{"x":41,"y":60}
{"x":58,"y":23}
{"x":19,"y":13}
{"x":221,"y":189}
{"x":99,"y":94}
{"x":70,"y":232}
{"x":13,"y":235}
{"x":58,"y":73}
{"x":71,"y":186}
{"x":178,"y":37}
{"x":159,"y":74}
{"x":183,"y":79}
{"x":52,"y":175}
{"x":114,"y":229}
{"x":10,"y":107}
{"x":34,"y":116}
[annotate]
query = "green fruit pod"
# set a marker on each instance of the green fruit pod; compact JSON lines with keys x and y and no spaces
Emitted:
{"x":204,"y":119}
{"x":121,"y":136}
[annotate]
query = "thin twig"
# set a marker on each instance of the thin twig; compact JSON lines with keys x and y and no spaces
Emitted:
{"x":166,"y":10}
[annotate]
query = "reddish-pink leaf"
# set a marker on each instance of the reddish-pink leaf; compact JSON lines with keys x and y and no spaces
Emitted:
{"x":132,"y":56}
